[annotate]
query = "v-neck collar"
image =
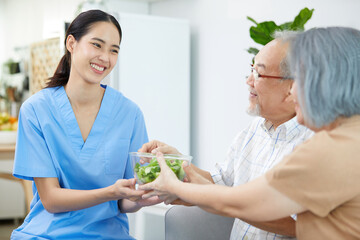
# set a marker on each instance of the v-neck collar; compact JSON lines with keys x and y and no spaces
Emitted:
{"x":85,"y":150}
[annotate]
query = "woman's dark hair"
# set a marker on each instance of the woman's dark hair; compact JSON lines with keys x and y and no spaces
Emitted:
{"x":78,"y":28}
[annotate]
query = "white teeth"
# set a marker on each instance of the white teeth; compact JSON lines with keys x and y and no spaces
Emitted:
{"x":97,"y":67}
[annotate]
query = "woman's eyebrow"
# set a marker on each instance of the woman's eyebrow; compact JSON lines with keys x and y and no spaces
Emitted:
{"x":100,"y":40}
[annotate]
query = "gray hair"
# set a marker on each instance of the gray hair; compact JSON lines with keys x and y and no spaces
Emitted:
{"x":286,"y":37}
{"x":326,"y":65}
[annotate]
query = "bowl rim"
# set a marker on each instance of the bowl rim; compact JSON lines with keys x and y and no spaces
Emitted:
{"x":168,"y":156}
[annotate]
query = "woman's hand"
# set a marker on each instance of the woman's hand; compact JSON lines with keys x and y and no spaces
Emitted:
{"x":149,"y":201}
{"x":125,"y":189}
{"x":155,"y":146}
{"x":127,"y":206}
{"x":164,"y":184}
{"x":130,"y":199}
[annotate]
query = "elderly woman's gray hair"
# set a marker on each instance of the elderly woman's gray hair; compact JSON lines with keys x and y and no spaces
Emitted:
{"x":325,"y":63}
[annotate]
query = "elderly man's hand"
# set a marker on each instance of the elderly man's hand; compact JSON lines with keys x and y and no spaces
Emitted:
{"x":194,"y":177}
{"x":155,"y":146}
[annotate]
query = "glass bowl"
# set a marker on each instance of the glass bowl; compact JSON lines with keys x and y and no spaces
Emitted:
{"x":146,"y":167}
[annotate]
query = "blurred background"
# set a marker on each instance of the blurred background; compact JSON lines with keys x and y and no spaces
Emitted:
{"x":195,"y":50}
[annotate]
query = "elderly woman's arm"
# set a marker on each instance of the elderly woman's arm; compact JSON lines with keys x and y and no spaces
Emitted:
{"x":254,"y":201}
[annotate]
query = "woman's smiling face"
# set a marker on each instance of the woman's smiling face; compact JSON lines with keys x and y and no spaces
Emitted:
{"x":95,"y":54}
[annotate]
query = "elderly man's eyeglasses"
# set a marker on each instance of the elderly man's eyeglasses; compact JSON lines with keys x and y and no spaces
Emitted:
{"x":258,"y":75}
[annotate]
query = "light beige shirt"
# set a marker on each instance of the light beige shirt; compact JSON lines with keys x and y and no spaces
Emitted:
{"x":323,"y":175}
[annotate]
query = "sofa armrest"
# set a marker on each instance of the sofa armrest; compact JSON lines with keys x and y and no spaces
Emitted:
{"x":187,"y":223}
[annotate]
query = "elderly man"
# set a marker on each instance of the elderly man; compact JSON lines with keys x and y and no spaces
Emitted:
{"x":263,"y":144}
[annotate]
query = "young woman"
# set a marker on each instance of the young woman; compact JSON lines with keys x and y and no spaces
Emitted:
{"x":73,"y":141}
{"x":320,"y":180}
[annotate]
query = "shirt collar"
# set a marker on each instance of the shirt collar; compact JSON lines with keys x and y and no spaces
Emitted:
{"x":286,"y":131}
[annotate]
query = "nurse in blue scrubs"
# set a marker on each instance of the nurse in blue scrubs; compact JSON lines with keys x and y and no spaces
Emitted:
{"x":73,"y":141}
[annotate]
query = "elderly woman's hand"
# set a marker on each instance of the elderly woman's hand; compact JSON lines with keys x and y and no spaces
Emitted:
{"x":192,"y":177}
{"x":164,"y":185}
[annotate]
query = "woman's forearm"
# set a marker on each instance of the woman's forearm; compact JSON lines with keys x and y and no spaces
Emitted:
{"x":56,"y":199}
{"x":64,"y":200}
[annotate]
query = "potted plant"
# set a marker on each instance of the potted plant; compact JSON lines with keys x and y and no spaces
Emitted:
{"x":262,"y":33}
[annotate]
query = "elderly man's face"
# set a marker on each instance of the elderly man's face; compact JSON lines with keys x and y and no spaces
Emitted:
{"x":269,"y":97}
{"x":299,"y":114}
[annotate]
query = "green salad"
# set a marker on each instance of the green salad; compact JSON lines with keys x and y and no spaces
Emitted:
{"x":150,"y":172}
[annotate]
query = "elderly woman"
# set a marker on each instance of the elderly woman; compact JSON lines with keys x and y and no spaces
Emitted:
{"x":320,"y":180}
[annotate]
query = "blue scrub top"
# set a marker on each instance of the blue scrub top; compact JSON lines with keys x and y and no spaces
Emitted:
{"x":50,"y":144}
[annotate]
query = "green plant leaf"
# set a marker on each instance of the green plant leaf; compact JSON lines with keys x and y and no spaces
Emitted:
{"x":300,"y":20}
{"x":286,"y":26}
{"x":262,"y":33}
{"x":252,"y":20}
{"x":252,"y":50}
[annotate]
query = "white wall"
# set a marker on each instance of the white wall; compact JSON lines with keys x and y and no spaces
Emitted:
{"x":26,"y":22}
{"x":2,"y":31}
{"x":220,"y":35}
{"x":219,"y":66}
